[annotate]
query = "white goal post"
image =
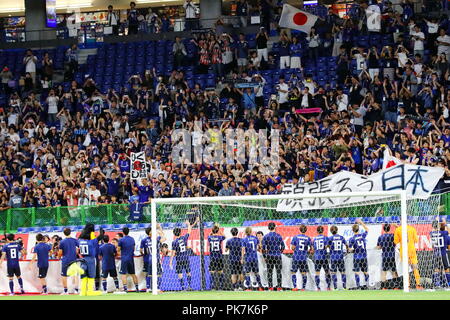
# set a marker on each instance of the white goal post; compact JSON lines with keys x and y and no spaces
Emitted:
{"x":398,"y":196}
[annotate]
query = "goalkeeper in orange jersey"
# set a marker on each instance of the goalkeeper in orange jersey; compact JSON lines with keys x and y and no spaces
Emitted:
{"x":413,"y":239}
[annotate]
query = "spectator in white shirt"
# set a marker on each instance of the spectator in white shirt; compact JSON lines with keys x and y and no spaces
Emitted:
{"x":112,"y":20}
{"x":443,"y":42}
{"x":30,"y":64}
{"x":418,"y":37}
{"x":433,"y":32}
{"x":52,"y":101}
{"x":283,"y":92}
{"x":191,"y":15}
{"x":341,"y":100}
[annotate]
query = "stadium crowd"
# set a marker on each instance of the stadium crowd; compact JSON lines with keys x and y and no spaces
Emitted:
{"x":72,"y":147}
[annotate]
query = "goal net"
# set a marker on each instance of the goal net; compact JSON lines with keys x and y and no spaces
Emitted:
{"x":314,"y":242}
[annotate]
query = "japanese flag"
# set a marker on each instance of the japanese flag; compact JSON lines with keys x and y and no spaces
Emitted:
{"x":388,"y":160}
{"x":293,"y":18}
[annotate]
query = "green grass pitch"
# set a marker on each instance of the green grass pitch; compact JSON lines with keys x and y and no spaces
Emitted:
{"x":229,"y":295}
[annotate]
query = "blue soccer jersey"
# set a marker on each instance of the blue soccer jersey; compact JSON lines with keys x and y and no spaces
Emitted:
{"x":320,"y":247}
{"x":69,"y":250}
{"x":42,"y":249}
{"x":127,"y":245}
{"x":87,"y":247}
{"x":12,"y":254}
{"x":146,"y":247}
{"x":235,"y":247}
{"x":302,"y":244}
{"x":180,"y":245}
{"x":215,"y":246}
{"x":250,"y":243}
{"x":440,"y":241}
{"x":387,"y":245}
{"x":359,"y":245}
{"x":273,"y":244}
{"x":108,"y":253}
{"x":337,"y":245}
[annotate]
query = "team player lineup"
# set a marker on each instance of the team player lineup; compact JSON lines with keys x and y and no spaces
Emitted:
{"x":239,"y":259}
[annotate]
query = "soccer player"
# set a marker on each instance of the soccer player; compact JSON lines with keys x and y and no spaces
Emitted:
{"x":215,"y":240}
{"x":41,"y":250}
{"x":300,"y":244}
{"x":320,"y":258}
{"x":250,"y":252}
{"x":234,"y":247}
{"x":337,"y":244}
{"x":386,"y":244}
{"x":126,"y":248}
{"x":107,"y":254}
{"x":67,"y":253}
{"x":160,"y":238}
{"x":412,"y":239}
{"x":358,"y":245}
{"x":10,"y":252}
{"x":273,"y":246}
{"x":88,"y":252}
{"x":179,"y":250}
{"x":441,"y":242}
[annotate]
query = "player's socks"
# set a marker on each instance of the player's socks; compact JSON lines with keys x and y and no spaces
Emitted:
{"x":221,"y":279}
{"x":116,"y":283}
{"x":247,"y":282}
{"x":158,"y":282}
{"x":366,"y":277}
{"x":328,"y":279}
{"x":148,"y":281}
{"x":181,"y":283}
{"x":344,"y":281}
{"x":137,"y":287}
{"x":258,"y":280}
{"x":97,"y":284}
{"x":317,"y":282}
{"x":417,"y":277}
{"x":20,"y":283}
{"x":189,"y":278}
{"x":294,"y":280}
{"x":437,"y":279}
{"x":334,"y":277}
{"x":305,"y":279}
{"x":11,"y":286}
{"x":447,"y":276}
{"x":357,"y":279}
{"x":104,"y":284}
{"x":44,"y":289}
{"x":212,"y":280}
{"x":125,"y":288}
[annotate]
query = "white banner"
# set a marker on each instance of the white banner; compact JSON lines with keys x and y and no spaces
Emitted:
{"x":373,"y":15}
{"x":418,"y":181}
{"x":138,"y":168}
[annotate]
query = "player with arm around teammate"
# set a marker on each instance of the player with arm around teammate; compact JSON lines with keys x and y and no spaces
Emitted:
{"x":41,"y":252}
{"x":300,"y":244}
{"x":180,"y":251}
{"x":67,"y":253}
{"x":250,"y":253}
{"x":10,"y":252}
{"x":234,"y":247}
{"x":88,"y":252}
{"x":273,"y":247}
{"x":215,"y":240}
{"x":358,"y":245}
{"x":441,"y":243}
{"x":337,"y":246}
{"x":320,"y":257}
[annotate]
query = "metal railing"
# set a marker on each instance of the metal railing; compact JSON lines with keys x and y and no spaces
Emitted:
{"x":14,"y":218}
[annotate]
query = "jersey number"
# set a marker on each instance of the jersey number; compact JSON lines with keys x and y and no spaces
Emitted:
{"x":319,"y":245}
{"x":182,"y":246}
{"x":438,"y":242}
{"x":360,"y":243}
{"x":84,"y":249}
{"x":301,"y":245}
{"x":13,"y":253}
{"x":215,"y":246}
{"x":337,"y":244}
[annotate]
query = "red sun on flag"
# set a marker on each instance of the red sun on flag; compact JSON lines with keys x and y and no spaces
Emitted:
{"x":390,"y":164}
{"x":300,"y":18}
